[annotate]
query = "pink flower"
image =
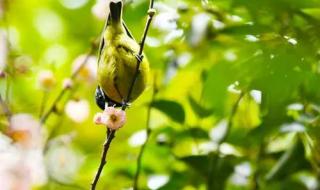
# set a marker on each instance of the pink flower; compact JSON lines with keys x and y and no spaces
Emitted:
{"x":88,"y":71}
{"x":111,"y":117}
{"x":77,"y":110}
{"x":26,"y":131}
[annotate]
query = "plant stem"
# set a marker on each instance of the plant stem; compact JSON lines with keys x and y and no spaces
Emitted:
{"x":140,"y":58}
{"x":103,"y":162}
{"x":214,"y":158}
{"x":5,"y":108}
{"x":43,"y":102}
{"x":148,"y":129}
{"x":64,"y":90}
{"x":111,"y":134}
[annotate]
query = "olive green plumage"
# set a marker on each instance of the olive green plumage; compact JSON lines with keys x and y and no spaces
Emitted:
{"x":117,"y":59}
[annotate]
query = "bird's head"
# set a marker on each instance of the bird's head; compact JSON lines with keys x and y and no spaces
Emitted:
{"x":115,"y":7}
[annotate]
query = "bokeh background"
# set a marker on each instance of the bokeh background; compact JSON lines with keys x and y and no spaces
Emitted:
{"x":236,"y":96}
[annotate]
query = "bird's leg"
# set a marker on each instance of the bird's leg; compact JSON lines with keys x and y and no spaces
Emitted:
{"x":100,"y":98}
{"x":125,"y":104}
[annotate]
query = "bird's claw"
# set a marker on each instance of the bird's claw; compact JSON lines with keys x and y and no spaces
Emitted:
{"x":125,"y":104}
{"x":139,"y":57}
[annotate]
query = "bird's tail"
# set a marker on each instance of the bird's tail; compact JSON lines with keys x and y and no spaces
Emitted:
{"x":115,"y":11}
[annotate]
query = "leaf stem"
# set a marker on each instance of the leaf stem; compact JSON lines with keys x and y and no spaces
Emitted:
{"x":214,"y":158}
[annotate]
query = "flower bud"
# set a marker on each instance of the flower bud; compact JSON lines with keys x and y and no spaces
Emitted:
{"x":67,"y":83}
{"x":77,"y":111}
{"x":2,"y":74}
{"x":46,"y":80}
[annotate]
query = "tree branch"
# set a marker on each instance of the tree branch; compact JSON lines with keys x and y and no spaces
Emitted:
{"x":151,"y":13}
{"x":5,"y":108}
{"x":103,"y":162}
{"x":65,"y":89}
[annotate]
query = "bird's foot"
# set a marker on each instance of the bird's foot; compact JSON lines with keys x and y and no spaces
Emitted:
{"x":125,"y":104}
{"x":139,"y":57}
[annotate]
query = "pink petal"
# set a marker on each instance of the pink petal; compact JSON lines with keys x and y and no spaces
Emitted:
{"x":97,"y":119}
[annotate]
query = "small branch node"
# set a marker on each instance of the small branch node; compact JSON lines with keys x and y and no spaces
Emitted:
{"x":152,"y":12}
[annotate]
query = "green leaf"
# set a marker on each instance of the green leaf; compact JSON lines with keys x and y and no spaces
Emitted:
{"x":314,"y":12}
{"x":194,"y":132}
{"x":215,"y":87}
{"x":293,"y":160}
{"x":199,"y":163}
{"x":172,"y":109}
{"x":198,"y":109}
{"x":221,"y":168}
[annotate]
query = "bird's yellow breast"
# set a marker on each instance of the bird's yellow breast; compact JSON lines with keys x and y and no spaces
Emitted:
{"x":117,"y":67}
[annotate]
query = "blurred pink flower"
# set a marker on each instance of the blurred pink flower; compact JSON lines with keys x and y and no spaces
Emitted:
{"x":111,"y":117}
{"x":25,"y":131}
{"x":22,"y":64}
{"x":78,"y":110}
{"x":88,"y":71}
{"x":20,"y":168}
{"x":46,"y":79}
{"x":100,"y":10}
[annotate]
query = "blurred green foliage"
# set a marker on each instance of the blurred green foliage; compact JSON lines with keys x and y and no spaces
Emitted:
{"x":206,"y":55}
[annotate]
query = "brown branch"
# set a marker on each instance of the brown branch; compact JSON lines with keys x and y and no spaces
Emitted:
{"x":5,"y":108}
{"x":4,"y":103}
{"x":106,"y":147}
{"x":151,"y":13}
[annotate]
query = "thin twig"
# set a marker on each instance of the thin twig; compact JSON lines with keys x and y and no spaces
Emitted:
{"x":111,"y":134}
{"x":215,"y":159}
{"x":103,"y":158}
{"x":5,"y":6}
{"x":43,"y":103}
{"x":5,"y":108}
{"x":256,"y":174}
{"x":151,"y":13}
{"x":65,"y":89}
{"x":148,"y":129}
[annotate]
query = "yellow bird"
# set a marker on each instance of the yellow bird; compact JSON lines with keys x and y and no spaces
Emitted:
{"x":117,"y":61}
